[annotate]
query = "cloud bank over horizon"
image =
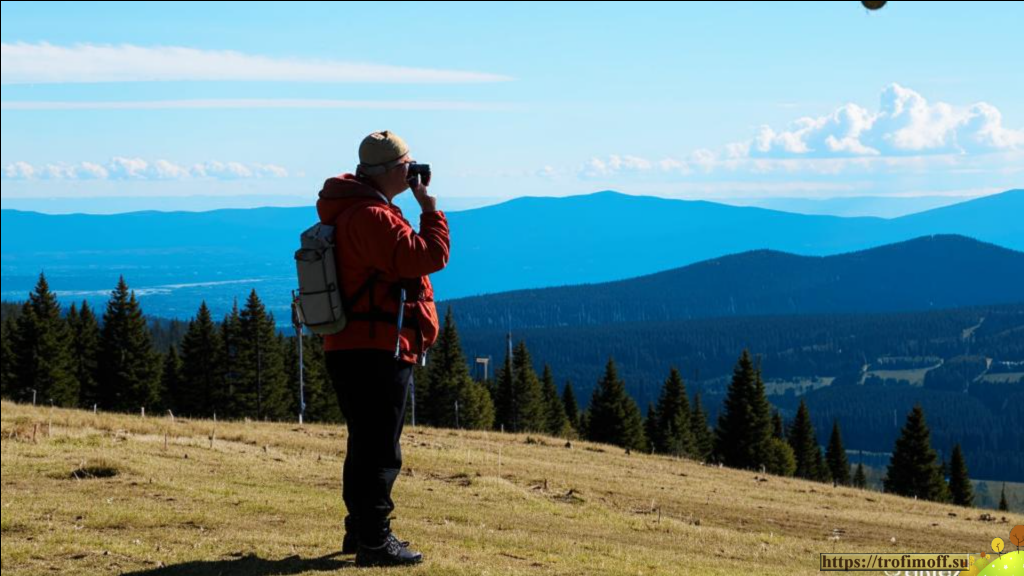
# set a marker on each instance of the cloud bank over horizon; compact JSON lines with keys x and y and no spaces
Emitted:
{"x":133,"y":168}
{"x":907,"y":131}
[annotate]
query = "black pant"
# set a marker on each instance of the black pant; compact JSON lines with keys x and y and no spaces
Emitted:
{"x":372,"y":388}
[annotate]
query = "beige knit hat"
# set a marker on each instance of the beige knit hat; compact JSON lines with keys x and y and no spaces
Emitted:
{"x":380,"y":151}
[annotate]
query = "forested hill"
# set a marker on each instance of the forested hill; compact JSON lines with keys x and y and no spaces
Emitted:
{"x":925,"y":273}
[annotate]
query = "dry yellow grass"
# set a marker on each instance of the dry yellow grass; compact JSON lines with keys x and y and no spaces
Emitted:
{"x":265,"y":499}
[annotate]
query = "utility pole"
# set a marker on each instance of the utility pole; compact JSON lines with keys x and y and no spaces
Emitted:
{"x":485,"y":362}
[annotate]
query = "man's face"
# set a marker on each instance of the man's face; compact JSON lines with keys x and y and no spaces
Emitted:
{"x":395,"y":180}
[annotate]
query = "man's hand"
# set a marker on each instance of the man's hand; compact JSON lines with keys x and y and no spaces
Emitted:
{"x":427,"y":202}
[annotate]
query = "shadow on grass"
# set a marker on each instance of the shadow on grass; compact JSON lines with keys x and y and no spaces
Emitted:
{"x":250,"y":565}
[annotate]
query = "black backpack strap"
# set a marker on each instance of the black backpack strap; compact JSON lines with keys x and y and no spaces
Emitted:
{"x":348,"y":303}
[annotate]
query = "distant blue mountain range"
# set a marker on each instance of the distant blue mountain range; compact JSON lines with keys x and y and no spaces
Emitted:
{"x":930,"y":272}
{"x":536,"y":242}
{"x":529,"y":242}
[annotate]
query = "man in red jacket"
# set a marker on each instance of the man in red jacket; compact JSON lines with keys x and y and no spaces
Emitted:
{"x":371,"y":361}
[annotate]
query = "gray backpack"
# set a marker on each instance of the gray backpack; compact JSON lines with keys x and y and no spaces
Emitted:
{"x":320,"y":304}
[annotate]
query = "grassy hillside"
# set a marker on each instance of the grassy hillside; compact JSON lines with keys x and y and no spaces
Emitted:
{"x":88,"y":494}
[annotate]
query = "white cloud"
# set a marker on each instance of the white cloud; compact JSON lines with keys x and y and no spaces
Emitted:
{"x":166,"y":170}
{"x":121,"y":167}
{"x":54,"y":171}
{"x":127,"y":168}
{"x":703,"y":158}
{"x":984,"y":130}
{"x":905,"y":124}
{"x":237,"y":170}
{"x":907,"y":135}
{"x":673,"y":165}
{"x":92,"y":170}
{"x":45,"y":63}
{"x":616,"y":164}
{"x":59,"y":172}
{"x":270,"y":170}
{"x":19,"y":171}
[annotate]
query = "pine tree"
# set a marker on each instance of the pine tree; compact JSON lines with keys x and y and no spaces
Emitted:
{"x":202,"y":391}
{"x":435,"y":389}
{"x":913,"y":469}
{"x":835,"y":456}
{"x":650,"y":426}
{"x":476,"y":408}
{"x":804,"y":441}
{"x":1004,"y":506}
{"x":779,"y":458}
{"x":232,"y":345}
{"x":572,"y":409}
{"x":262,"y":391}
{"x":129,"y":369}
{"x":672,"y":429}
{"x":778,"y":428}
{"x":41,"y":350}
{"x":519,"y":405}
{"x":85,"y":350}
{"x":491,"y":386}
{"x":584,"y":430}
{"x":454,"y":398}
{"x":557,"y":421}
{"x":744,"y":427}
{"x":960,"y":489}
{"x":287,"y":406}
{"x":71,"y":322}
{"x":761,"y":424}
{"x":613,"y":415}
{"x":703,"y":437}
{"x":860,"y":479}
{"x":446,"y":366}
{"x":504,"y":396}
{"x":170,"y":376}
{"x":321,"y":398}
{"x":6,"y":364}
{"x":821,"y":471}
{"x":529,"y":410}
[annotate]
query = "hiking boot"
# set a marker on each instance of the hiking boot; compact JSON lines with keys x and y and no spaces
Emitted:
{"x":390,"y":553}
{"x":350,"y":545}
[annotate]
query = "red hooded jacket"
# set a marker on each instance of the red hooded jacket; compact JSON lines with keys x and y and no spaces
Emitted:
{"x":372,"y":235}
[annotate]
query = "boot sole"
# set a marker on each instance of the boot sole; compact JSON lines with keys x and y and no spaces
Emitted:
{"x":369,"y":563}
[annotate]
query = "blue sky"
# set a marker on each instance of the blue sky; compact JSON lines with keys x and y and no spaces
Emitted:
{"x":116,"y":106}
